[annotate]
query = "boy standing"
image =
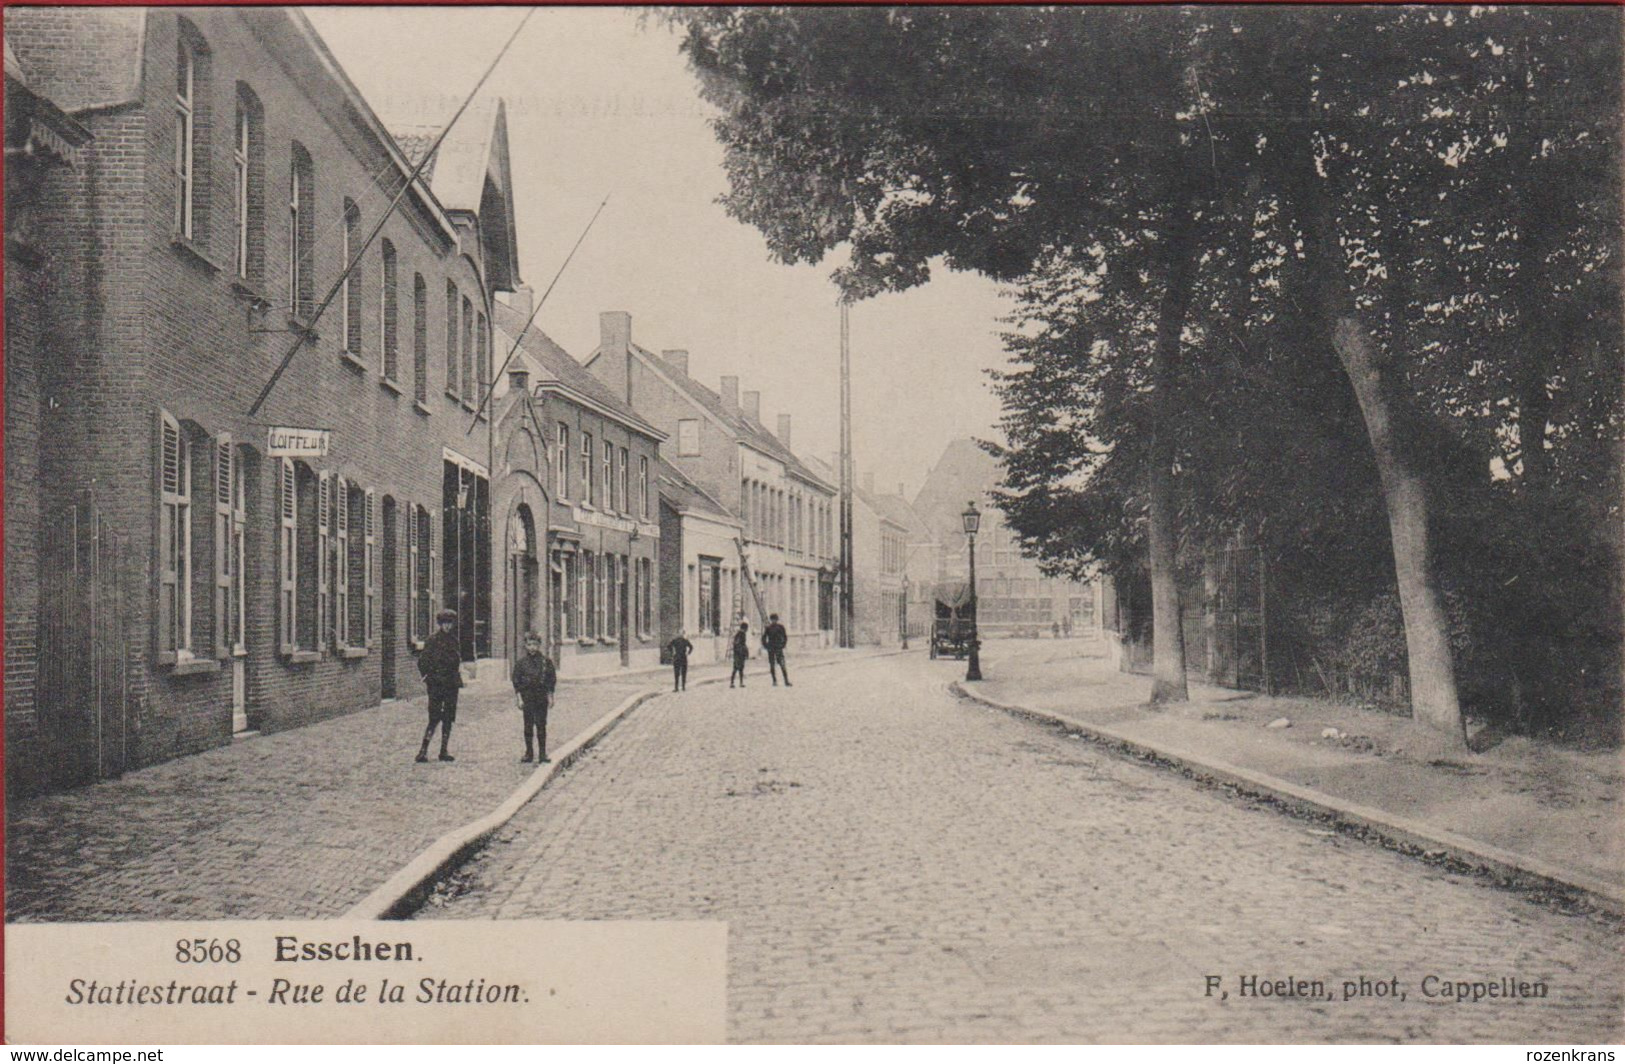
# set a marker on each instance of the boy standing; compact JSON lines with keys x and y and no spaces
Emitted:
{"x":440,"y":663}
{"x":534,"y":678}
{"x":680,"y":648}
{"x":775,"y":639}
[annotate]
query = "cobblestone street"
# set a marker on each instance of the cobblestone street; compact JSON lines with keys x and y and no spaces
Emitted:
{"x":303,"y":823}
{"x":897,"y":865}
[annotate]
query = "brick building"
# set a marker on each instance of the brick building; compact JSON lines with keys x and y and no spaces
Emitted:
{"x":699,"y":565}
{"x":1013,"y":596}
{"x":585,"y":470}
{"x":787,"y":512}
{"x":232,"y":172}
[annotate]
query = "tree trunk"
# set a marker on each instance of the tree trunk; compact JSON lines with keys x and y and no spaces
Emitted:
{"x":1167,"y":633}
{"x":1427,"y":631}
{"x":1388,"y":421}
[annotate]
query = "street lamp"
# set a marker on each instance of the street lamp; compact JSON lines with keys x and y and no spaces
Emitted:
{"x":905,"y":611}
{"x":973,"y":521}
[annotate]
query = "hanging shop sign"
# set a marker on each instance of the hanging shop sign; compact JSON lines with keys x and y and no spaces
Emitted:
{"x":285,"y":442}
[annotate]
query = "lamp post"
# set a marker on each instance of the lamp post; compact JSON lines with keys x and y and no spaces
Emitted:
{"x":973,"y":521}
{"x":905,"y":611}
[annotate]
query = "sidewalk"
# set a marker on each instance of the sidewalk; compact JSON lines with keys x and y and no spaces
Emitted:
{"x":1526,"y":810}
{"x":299,"y":824}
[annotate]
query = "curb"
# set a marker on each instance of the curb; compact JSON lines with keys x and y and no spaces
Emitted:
{"x":404,"y":892}
{"x":1516,"y":869}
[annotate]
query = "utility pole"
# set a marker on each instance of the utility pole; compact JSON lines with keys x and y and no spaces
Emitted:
{"x":846,"y":634}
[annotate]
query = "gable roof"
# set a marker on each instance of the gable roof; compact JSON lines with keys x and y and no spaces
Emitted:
{"x":556,"y":367}
{"x":470,"y":171}
{"x":751,"y":433}
{"x":684,"y":494}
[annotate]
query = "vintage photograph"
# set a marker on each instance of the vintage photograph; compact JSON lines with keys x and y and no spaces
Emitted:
{"x":977,"y":524}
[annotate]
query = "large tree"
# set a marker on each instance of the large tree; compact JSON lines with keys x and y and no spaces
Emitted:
{"x":1344,"y":171}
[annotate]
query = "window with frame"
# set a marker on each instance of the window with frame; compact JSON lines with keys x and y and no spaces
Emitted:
{"x":609,"y":476}
{"x":468,"y":351}
{"x":248,"y":181}
{"x":569,"y":597}
{"x":191,"y":131}
{"x":175,"y":546}
{"x":420,"y":339}
{"x":688,"y":437}
{"x":482,"y":360}
{"x":601,"y":595}
{"x":622,"y":503}
{"x":585,"y":600}
{"x":612,"y":596}
{"x":350,"y":294}
{"x":561,"y":464}
{"x":589,"y":494}
{"x":301,"y":547}
{"x":421,"y":567}
{"x":453,"y":301}
{"x":230,"y":617}
{"x":648,"y":582}
{"x":301,"y":233}
{"x":643,"y":486}
{"x":388,"y":309}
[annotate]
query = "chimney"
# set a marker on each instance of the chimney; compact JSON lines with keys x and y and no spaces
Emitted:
{"x":869,"y":483}
{"x":784,"y":429}
{"x":730,"y":394}
{"x":753,"y":406}
{"x":615,"y":351}
{"x":519,"y":378}
{"x":677,"y":361}
{"x":521,"y":300}
{"x":614,"y":332}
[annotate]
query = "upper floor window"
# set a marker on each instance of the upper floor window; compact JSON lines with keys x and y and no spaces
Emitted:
{"x":191,"y":100}
{"x":688,"y":437}
{"x":625,"y":504}
{"x":609,"y":475}
{"x":388,"y":330}
{"x":301,"y":233}
{"x":452,"y":303}
{"x":588,"y":495}
{"x":468,"y":351}
{"x":643,"y":486}
{"x":350,"y":296}
{"x":482,"y":362}
{"x":248,"y":182}
{"x":561,"y":463}
{"x":420,"y":338}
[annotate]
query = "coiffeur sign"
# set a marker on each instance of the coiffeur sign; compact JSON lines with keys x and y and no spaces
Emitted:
{"x":285,"y":442}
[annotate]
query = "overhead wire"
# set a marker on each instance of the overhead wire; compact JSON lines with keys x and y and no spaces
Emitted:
{"x":417,"y":170}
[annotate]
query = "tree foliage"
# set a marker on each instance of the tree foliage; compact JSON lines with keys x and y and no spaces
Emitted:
{"x":1447,"y":180}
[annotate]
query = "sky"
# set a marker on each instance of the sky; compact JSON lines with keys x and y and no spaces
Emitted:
{"x":602,"y":103}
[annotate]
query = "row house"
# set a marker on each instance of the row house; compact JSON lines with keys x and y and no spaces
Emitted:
{"x":787,"y":553}
{"x":590,"y":510}
{"x":699,"y":566}
{"x":230,"y":572}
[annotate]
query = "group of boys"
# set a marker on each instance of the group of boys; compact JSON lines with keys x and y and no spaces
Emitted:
{"x":535,"y":678}
{"x":774,"y":640}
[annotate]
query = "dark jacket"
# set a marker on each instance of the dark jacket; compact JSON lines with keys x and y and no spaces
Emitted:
{"x":680,"y":649}
{"x":775,"y":638}
{"x":741,"y":646}
{"x":440,"y":661}
{"x":535,"y":678}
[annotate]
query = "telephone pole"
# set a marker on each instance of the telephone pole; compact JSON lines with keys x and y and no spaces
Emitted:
{"x":846,"y":635}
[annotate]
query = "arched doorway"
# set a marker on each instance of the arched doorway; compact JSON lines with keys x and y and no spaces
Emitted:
{"x":523,"y":577}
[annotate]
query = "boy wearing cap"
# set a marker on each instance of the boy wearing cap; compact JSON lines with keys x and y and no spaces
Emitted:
{"x":534,"y":679}
{"x":440,"y":663}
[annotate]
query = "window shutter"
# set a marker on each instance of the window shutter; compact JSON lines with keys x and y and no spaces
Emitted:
{"x":288,"y":554}
{"x":341,"y":562}
{"x":169,"y":518}
{"x":433,"y":537}
{"x":369,"y":574}
{"x":412,"y":573}
{"x":223,"y":527}
{"x":324,"y":578}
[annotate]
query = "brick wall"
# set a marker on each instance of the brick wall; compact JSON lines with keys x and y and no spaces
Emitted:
{"x":166,"y":325}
